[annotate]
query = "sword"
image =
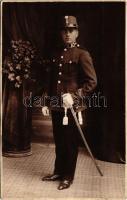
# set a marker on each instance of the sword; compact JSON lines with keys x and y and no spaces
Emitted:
{"x":84,"y":140}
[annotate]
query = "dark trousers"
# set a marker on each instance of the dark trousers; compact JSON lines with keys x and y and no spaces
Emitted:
{"x":66,"y":141}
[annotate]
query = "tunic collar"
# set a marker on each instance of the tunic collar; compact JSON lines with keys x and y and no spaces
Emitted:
{"x":72,"y":45}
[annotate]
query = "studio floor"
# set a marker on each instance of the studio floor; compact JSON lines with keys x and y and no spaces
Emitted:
{"x":22,"y":177}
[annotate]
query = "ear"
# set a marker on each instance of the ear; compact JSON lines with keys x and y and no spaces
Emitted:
{"x":77,"y":33}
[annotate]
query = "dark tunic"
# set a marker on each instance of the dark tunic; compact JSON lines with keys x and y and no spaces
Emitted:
{"x":72,"y":71}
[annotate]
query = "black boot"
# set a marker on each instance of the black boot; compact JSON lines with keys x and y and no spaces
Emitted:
{"x":64,"y":184}
{"x":51,"y":177}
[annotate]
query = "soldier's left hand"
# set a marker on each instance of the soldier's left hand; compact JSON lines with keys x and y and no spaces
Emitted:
{"x":67,"y":100}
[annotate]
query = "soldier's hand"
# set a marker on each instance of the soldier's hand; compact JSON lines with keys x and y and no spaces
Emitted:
{"x":67,"y":100}
{"x":45,"y":111}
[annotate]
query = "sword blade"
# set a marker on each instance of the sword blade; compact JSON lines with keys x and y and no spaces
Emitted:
{"x":84,"y":140}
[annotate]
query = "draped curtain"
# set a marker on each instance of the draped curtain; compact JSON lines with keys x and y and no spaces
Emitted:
{"x":102,"y":32}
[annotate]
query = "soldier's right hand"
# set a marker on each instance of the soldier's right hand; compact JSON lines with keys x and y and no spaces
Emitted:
{"x":45,"y":111}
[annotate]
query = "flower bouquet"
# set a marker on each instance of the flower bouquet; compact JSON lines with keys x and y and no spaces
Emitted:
{"x":17,"y":66}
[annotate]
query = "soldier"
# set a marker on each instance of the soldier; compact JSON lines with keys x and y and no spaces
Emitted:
{"x":72,"y":77}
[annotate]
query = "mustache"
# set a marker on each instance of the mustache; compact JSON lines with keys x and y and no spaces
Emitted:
{"x":67,"y":37}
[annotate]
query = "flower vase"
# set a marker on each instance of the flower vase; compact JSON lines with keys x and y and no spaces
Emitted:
{"x":17,"y":122}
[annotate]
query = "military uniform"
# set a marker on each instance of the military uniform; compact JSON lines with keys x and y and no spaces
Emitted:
{"x":71,"y":71}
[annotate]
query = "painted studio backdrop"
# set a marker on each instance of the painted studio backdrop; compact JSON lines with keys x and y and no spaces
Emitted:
{"x":33,"y":27}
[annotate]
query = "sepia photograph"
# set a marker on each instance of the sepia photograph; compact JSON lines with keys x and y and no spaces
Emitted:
{"x":63,"y":100}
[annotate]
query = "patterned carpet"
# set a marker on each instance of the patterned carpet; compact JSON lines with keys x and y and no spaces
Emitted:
{"x":22,"y":178}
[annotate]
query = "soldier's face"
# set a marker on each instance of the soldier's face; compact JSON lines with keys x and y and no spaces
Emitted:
{"x":69,"y":35}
